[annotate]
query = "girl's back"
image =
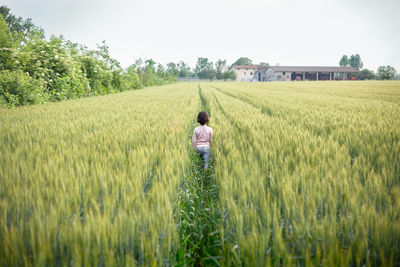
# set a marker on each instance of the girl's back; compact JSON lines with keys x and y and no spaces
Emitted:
{"x":202,"y":135}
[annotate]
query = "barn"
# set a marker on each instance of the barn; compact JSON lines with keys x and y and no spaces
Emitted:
{"x":261,"y":73}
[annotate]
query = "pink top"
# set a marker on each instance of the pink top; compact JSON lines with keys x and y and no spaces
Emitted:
{"x":202,"y":136}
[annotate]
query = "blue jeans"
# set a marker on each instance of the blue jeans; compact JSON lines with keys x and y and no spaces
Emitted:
{"x":204,"y":153}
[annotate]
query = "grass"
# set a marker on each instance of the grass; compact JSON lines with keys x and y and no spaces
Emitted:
{"x":303,"y":173}
{"x":197,"y":212}
{"x":85,"y":182}
{"x":307,"y":172}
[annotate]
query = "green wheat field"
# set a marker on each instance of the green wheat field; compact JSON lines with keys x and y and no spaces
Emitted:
{"x":303,"y":173}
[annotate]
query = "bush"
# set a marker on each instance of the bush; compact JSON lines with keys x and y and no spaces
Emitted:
{"x":34,"y":70}
{"x":131,"y":80}
{"x":50,"y":61}
{"x":366,"y":74}
{"x":386,"y":73}
{"x":18,"y":88}
{"x":229,"y":75}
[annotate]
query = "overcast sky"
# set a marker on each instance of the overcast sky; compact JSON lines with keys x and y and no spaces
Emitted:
{"x":288,"y":32}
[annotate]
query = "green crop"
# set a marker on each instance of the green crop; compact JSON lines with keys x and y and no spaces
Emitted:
{"x":303,"y":173}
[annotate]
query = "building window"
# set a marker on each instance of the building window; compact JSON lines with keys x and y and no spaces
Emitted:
{"x":251,"y":73}
{"x":283,"y":73}
{"x":244,"y":73}
{"x":278,"y":77}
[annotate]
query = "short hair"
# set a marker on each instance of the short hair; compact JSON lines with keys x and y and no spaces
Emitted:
{"x":202,"y":118}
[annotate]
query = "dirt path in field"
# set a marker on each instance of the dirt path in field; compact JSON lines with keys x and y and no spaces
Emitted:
{"x":197,"y":213}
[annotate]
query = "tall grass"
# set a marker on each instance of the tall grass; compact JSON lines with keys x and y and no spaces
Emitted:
{"x":197,"y":212}
{"x":304,"y":174}
{"x":94,"y":181}
{"x":308,"y":172}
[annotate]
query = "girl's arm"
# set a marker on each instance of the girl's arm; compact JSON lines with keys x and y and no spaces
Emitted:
{"x":194,"y":140}
{"x":211,"y":134}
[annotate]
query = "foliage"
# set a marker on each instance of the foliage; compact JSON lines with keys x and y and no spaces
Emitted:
{"x":242,"y":61}
{"x":172,"y":69}
{"x":61,"y":69}
{"x":184,"y":70}
{"x":355,"y":62}
{"x":366,"y":74}
{"x":220,"y":68}
{"x":50,"y":61}
{"x":386,"y":73}
{"x":151,"y":73}
{"x":8,"y":47}
{"x":204,"y":69}
{"x":344,"y":61}
{"x":22,"y":29}
{"x":18,"y":88}
{"x":229,"y":75}
{"x":131,"y":79}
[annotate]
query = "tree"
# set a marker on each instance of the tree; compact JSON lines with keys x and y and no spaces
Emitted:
{"x":7,"y":47}
{"x":220,"y":67}
{"x":366,"y":74}
{"x":147,"y":76}
{"x":103,"y":53}
{"x":386,"y":73}
{"x":204,"y":68}
{"x":243,"y":61}
{"x":172,"y":69}
{"x":160,"y":71}
{"x":138,"y":65}
{"x":18,"y":25}
{"x":132,"y":80}
{"x":344,"y":61}
{"x":184,"y":69}
{"x":229,"y":75}
{"x":264,"y":64}
{"x":355,"y":61}
{"x":150,"y":64}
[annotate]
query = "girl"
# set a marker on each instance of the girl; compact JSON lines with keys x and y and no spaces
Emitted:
{"x":201,"y":140}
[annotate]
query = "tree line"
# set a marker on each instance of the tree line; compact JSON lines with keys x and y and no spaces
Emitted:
{"x":383,"y":73}
{"x":34,"y":69}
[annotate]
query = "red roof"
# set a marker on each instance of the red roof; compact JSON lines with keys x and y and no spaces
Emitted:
{"x":250,"y":67}
{"x":299,"y":68}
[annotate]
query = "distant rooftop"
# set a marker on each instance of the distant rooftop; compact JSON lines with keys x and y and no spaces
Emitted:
{"x":250,"y":67}
{"x":299,"y":68}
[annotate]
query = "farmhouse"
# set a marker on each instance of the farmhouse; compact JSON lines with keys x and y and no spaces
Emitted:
{"x":261,"y":73}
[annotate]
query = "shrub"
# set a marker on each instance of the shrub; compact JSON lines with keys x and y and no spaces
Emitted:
{"x":18,"y":88}
{"x":131,"y":80}
{"x":386,"y":73}
{"x":34,"y":69}
{"x":366,"y":74}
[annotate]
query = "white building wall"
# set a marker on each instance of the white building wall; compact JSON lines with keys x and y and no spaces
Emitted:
{"x":248,"y":74}
{"x":244,"y":75}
